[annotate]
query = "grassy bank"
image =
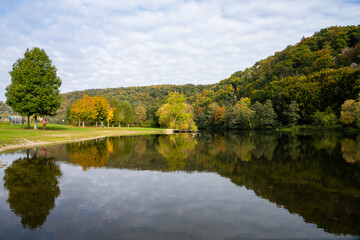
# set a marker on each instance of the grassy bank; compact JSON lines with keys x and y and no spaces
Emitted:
{"x":18,"y":136}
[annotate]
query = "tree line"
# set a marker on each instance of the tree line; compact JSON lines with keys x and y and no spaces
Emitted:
{"x":314,"y":82}
{"x":304,"y":84}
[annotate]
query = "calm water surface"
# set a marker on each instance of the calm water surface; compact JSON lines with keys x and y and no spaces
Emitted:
{"x":245,"y":185}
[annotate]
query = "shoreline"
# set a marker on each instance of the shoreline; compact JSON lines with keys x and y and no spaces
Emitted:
{"x":29,"y":144}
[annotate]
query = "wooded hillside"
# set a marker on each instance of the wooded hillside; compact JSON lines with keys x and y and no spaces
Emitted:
{"x":303,"y":84}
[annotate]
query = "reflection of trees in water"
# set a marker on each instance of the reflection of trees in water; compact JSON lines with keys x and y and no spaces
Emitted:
{"x":292,"y":145}
{"x":327,"y":141}
{"x":264,"y":144}
{"x":134,"y":152}
{"x":177,"y":149}
{"x":91,"y":154}
{"x":33,"y":187}
{"x":351,"y":149}
{"x":316,"y":184}
{"x":305,"y":173}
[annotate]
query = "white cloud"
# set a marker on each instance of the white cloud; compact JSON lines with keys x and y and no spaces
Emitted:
{"x":99,"y":44}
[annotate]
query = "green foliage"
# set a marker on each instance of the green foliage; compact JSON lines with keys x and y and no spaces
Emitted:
{"x":264,"y":115}
{"x":176,"y":113}
{"x":34,"y":88}
{"x":325,"y":119}
{"x":292,"y":113}
{"x":240,"y":116}
{"x":125,"y":112}
{"x":33,"y":187}
{"x":350,"y":112}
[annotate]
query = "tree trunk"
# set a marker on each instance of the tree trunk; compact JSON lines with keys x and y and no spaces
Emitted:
{"x":35,"y":122}
{"x":79,"y":123}
{"x":96,"y":123}
{"x":108,"y":123}
{"x":28,"y":122}
{"x":83,"y":123}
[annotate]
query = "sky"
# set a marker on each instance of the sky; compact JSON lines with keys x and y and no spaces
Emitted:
{"x":116,"y":43}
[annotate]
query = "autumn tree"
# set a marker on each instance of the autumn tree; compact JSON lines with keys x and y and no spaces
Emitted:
{"x":211,"y":111}
{"x":84,"y":109}
{"x":101,"y":108}
{"x":92,"y":109}
{"x":219,"y":118}
{"x":176,"y":113}
{"x":111,"y":116}
{"x":34,"y":88}
{"x":350,"y":112}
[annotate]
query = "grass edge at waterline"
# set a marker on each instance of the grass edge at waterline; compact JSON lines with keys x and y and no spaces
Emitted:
{"x":18,"y":136}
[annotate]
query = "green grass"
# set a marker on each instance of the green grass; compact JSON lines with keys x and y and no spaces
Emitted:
{"x":18,"y":134}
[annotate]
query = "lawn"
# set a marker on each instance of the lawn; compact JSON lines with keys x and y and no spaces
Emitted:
{"x":20,"y":135}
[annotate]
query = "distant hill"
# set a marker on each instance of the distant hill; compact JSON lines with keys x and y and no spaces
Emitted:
{"x":319,"y":73}
{"x":148,"y":95}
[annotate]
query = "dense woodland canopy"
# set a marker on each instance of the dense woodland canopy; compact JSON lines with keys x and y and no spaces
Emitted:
{"x":303,"y":84}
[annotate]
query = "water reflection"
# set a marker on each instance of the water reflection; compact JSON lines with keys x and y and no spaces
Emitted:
{"x":350,"y":149}
{"x":316,"y":176}
{"x":176,"y":149}
{"x":33,"y":186}
{"x":90,"y":154}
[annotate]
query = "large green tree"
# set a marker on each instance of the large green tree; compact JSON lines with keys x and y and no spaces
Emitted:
{"x":34,"y":88}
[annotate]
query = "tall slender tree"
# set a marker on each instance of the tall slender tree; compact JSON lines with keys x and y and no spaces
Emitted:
{"x":34,"y":88}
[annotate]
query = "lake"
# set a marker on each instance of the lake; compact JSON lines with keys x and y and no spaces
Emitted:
{"x":234,"y":185}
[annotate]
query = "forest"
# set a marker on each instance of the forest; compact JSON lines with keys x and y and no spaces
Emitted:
{"x":314,"y":82}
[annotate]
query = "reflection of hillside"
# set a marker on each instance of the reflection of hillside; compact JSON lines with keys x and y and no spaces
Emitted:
{"x":316,"y":176}
{"x":319,"y":186}
{"x":33,"y":187}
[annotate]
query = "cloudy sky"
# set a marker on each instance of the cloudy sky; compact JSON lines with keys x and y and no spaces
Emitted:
{"x":116,"y":43}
